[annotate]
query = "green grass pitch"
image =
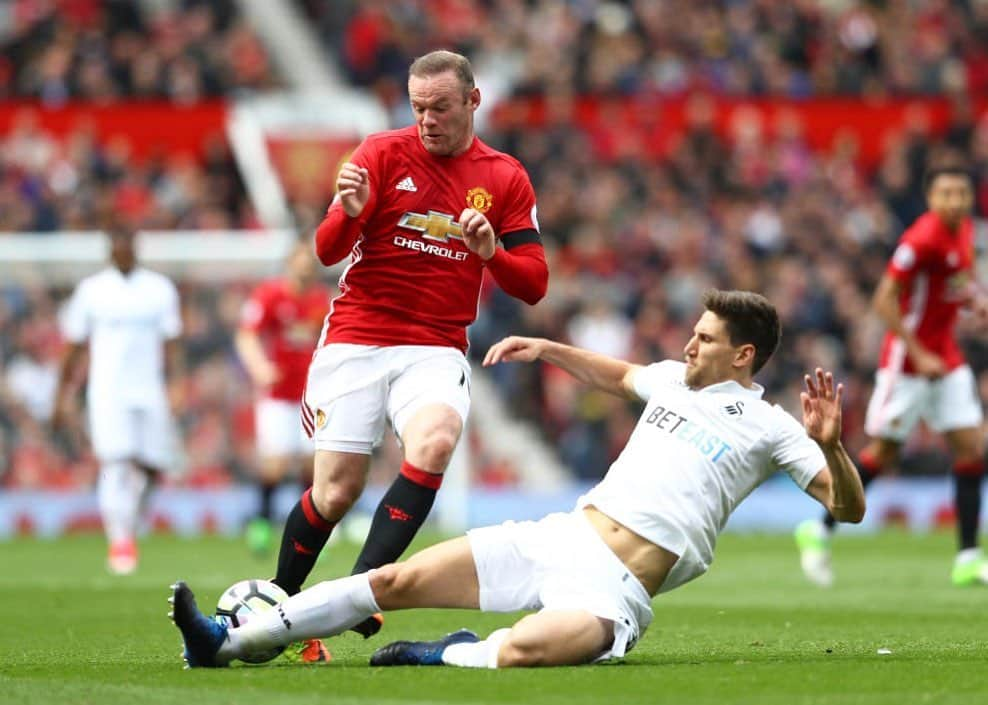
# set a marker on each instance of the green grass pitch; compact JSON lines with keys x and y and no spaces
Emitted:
{"x":748,"y":632}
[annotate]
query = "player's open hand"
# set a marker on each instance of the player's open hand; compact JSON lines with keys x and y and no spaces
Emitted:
{"x":478,"y":234}
{"x":822,"y":407}
{"x":514,"y":349}
{"x":353,"y":188}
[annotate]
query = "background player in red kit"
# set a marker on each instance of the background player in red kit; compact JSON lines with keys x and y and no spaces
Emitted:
{"x":922,"y":373}
{"x":422,"y":212}
{"x":279,"y":327}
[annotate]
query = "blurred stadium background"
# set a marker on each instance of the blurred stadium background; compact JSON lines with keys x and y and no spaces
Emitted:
{"x":674,"y":145}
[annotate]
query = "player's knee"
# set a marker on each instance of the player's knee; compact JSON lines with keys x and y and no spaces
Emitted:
{"x":436,"y":448}
{"x":334,"y":499}
{"x":391,"y":583}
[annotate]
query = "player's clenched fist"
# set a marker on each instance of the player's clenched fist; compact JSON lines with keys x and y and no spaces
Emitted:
{"x":478,"y":234}
{"x":353,"y":188}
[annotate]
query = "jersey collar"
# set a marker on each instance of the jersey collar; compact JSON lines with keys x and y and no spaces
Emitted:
{"x":731,"y":387}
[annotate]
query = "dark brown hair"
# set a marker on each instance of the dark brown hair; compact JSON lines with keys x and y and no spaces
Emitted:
{"x":440,"y":61}
{"x":750,"y":318}
{"x":935,"y":172}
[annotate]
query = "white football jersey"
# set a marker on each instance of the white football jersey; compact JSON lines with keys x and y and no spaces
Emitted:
{"x":126,"y":319}
{"x":693,"y":457}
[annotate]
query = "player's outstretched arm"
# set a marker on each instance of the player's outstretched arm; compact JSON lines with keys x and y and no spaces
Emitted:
{"x":606,"y":373}
{"x":838,"y":486}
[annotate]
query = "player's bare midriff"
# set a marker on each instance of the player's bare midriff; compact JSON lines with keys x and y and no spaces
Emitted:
{"x":648,"y":562}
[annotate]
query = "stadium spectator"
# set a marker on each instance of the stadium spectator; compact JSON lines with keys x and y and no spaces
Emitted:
{"x":279,"y":329}
{"x":755,"y":207}
{"x":75,"y":183}
{"x":922,"y":373}
{"x":671,"y":47}
{"x":646,"y":528}
{"x":421,"y":211}
{"x":109,"y":51}
{"x":128,"y":317}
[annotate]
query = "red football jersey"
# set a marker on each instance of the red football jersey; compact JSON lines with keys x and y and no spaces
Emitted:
{"x":288,"y":323}
{"x":411,"y":280}
{"x":933,"y":265}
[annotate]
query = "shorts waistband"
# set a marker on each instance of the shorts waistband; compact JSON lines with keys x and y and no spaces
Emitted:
{"x":635,"y":583}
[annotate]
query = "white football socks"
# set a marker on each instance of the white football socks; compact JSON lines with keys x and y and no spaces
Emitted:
{"x":325,"y":609}
{"x":480,"y":654}
{"x":120,"y":490}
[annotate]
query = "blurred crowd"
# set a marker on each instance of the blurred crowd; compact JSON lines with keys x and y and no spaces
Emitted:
{"x":633,"y":244}
{"x":77,"y":182}
{"x":105,"y":51}
{"x":735,"y":47}
{"x":632,"y":240}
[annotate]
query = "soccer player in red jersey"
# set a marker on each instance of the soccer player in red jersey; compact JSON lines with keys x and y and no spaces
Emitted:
{"x":922,"y":373}
{"x":421,"y":212}
{"x":279,"y":328}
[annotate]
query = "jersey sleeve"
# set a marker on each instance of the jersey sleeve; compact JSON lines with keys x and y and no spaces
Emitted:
{"x":338,"y":232}
{"x":75,"y":320}
{"x":521,"y":213}
{"x":171,"y":318}
{"x":647,"y":380}
{"x":909,"y":257}
{"x":795,"y":453}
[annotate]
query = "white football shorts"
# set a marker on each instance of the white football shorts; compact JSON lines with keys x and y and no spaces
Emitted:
{"x":277,"y":429}
{"x":560,"y":563}
{"x":352,"y":391}
{"x":899,"y":401}
{"x":143,"y":433}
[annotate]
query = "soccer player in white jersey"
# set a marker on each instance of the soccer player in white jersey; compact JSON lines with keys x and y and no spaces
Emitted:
{"x":129,"y":317}
{"x":704,"y":441}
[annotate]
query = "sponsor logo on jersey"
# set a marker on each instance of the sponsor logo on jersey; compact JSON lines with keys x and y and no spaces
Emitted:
{"x":433,"y":225}
{"x":480,"y":199}
{"x":689,"y":432}
{"x":406,"y":184}
{"x":430,"y":249}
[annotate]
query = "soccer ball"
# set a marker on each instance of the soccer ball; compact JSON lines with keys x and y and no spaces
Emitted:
{"x":249,"y":597}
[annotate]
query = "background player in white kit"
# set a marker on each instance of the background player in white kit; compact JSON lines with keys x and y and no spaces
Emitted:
{"x":130,"y":318}
{"x":704,"y":441}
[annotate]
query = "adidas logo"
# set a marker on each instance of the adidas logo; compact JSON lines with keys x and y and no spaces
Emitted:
{"x":406,"y":184}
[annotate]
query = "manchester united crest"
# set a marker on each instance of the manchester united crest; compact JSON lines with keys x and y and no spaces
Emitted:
{"x":320,"y":418}
{"x":480,"y":199}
